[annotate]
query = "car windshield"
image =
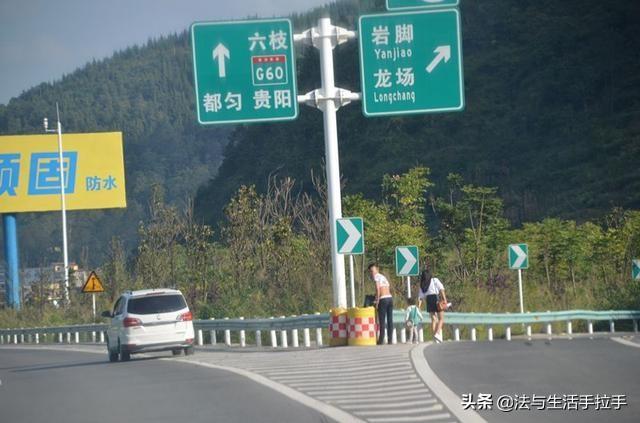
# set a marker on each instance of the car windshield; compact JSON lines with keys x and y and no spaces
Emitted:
{"x":156,"y":304}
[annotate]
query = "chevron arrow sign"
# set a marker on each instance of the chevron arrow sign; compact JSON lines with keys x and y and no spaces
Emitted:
{"x":518,"y":256}
{"x":350,"y":235}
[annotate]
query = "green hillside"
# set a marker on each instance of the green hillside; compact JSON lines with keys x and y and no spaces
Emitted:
{"x":552,"y":116}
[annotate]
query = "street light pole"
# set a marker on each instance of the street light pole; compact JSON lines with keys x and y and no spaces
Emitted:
{"x":63,"y":202}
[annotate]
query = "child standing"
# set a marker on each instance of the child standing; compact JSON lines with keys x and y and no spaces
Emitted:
{"x":412,"y":318}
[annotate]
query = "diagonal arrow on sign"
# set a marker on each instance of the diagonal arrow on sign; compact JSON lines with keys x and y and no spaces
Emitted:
{"x":220,"y":53}
{"x":442,"y":53}
{"x":410,"y":260}
{"x":522,"y":256}
{"x":352,"y":240}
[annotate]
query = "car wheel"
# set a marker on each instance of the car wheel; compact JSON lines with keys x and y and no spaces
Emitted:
{"x":124,"y":355}
{"x":189,"y":351}
{"x":176,"y":352}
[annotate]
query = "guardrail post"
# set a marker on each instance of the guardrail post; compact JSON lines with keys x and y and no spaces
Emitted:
{"x":549,"y":329}
{"x":102,"y":337}
{"x":93,"y":336}
{"x":403,"y":336}
{"x":77,"y":337}
{"x":243,"y":336}
{"x":421,"y":334}
{"x":60,"y":337}
{"x":394,"y":337}
{"x":274,"y":338}
{"x":456,"y":333}
{"x":1,"y":339}
{"x":507,"y":333}
{"x":569,"y":328}
{"x":612,"y":326}
{"x":635,"y":325}
{"x":590,"y":327}
{"x":28,"y":338}
{"x":15,"y":338}
{"x":22,"y":338}
{"x":213,"y":336}
{"x":283,"y":336}
{"x":307,"y":338}
{"x":68,"y":337}
{"x":227,"y":335}
{"x":490,"y":333}
{"x":529,"y":331}
{"x":258,"y":338}
{"x":200,"y":337}
{"x":37,"y":338}
{"x":473,"y":334}
{"x":294,"y":336}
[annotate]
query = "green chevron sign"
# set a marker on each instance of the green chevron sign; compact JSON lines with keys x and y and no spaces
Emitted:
{"x":407,"y":261}
{"x":518,"y":256}
{"x":350,"y":235}
{"x":635,"y":270}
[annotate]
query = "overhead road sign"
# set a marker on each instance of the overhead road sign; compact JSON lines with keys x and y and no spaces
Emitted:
{"x":420,"y":4}
{"x":244,"y":71}
{"x":411,"y":62}
{"x":518,"y":256}
{"x":635,"y":269}
{"x":93,"y":284}
{"x":30,"y":172}
{"x":407,"y":261}
{"x":350,"y":235}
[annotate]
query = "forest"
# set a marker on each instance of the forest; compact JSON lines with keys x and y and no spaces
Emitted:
{"x":544,"y":153}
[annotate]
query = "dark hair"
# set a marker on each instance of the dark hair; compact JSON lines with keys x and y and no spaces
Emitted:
{"x":411,"y":301}
{"x":374,"y":264}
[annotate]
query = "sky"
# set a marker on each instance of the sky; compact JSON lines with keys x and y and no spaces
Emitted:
{"x":42,"y":40}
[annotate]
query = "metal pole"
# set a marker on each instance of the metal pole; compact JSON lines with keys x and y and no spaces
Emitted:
{"x":12,"y":284}
{"x":64,"y":209}
{"x":408,"y":286}
{"x":520,"y":290}
{"x":93,"y":305}
{"x":332,"y":160}
{"x":352,"y":280}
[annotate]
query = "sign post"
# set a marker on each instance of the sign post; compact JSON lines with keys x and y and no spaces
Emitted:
{"x":407,"y":264}
{"x":518,"y":260}
{"x":93,"y":286}
{"x":635,"y":269}
{"x":350,"y":237}
{"x":411,"y":62}
{"x":244,"y":71}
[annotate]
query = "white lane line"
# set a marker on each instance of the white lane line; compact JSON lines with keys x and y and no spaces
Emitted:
{"x":410,"y":419}
{"x":320,"y":364}
{"x":387,"y":405}
{"x":296,"y":379}
{"x":348,"y":384}
{"x":329,"y":391}
{"x":321,"y":371}
{"x":366,"y":400}
{"x":324,"y":408}
{"x":364,"y":395}
{"x":403,"y":412}
{"x":626,"y":342}
{"x":442,"y":391}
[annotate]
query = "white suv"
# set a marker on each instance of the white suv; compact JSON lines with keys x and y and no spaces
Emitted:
{"x":149,"y":320}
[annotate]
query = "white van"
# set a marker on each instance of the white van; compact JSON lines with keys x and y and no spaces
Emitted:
{"x":149,"y":320}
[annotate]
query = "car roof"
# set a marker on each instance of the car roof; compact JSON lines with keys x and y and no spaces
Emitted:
{"x":159,"y":291}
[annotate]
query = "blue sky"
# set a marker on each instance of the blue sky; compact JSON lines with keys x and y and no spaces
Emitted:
{"x":42,"y":40}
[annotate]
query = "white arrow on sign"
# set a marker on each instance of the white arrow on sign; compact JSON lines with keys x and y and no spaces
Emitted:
{"x":522,"y":256}
{"x":220,"y":53}
{"x":442,"y":53}
{"x":410,"y":261}
{"x":354,"y":236}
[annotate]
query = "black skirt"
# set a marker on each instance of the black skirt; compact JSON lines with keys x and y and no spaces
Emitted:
{"x":432,"y":303}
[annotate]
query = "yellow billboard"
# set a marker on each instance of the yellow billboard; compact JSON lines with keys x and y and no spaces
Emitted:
{"x":30,"y":172}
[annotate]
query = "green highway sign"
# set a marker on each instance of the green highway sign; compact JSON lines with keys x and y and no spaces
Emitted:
{"x":635,"y":269}
{"x":407,"y":261}
{"x":411,"y":62}
{"x":350,"y":235}
{"x":420,"y":4}
{"x":518,"y":256}
{"x":244,"y":71}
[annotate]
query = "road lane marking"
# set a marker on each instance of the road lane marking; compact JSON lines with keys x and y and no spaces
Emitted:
{"x":626,"y":342}
{"x":410,"y":419}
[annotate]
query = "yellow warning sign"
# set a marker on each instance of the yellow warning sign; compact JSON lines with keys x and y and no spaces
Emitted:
{"x":93,"y":284}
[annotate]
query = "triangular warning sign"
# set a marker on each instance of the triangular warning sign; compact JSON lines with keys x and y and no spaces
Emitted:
{"x":93,"y":284}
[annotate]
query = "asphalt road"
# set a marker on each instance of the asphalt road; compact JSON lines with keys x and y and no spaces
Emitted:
{"x":578,"y":366}
{"x":69,"y":387}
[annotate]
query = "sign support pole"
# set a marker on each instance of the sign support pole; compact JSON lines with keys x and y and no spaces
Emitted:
{"x":352,"y":280}
{"x":12,"y":285}
{"x":520,"y":290}
{"x":93,"y":305}
{"x":408,"y":286}
{"x":328,"y":99}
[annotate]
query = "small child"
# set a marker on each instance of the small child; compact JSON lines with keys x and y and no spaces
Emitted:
{"x":412,"y":318}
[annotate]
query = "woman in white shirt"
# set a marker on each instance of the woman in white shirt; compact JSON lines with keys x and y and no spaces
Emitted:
{"x":431,"y":290}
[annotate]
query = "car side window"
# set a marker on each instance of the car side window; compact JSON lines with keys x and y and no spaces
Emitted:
{"x":117,"y":309}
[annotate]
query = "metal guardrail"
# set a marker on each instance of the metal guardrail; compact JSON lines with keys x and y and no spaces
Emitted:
{"x":284,"y":325}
